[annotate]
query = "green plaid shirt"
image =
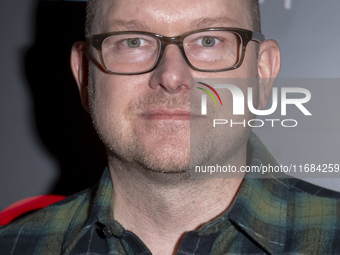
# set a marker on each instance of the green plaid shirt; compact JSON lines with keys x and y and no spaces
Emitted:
{"x":268,"y":216}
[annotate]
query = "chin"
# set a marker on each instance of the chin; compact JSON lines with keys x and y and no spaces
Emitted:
{"x":168,"y":159}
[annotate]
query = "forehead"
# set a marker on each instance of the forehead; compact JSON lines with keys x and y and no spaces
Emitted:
{"x":172,"y":17}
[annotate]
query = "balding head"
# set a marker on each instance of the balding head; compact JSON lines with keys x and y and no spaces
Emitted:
{"x":94,"y":11}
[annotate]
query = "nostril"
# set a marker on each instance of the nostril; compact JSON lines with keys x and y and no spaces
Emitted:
{"x":160,"y":84}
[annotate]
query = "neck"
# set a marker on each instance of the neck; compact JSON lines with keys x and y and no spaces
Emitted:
{"x":161,"y":212}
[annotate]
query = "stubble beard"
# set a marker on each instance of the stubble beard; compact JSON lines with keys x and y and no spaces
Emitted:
{"x":125,"y":146}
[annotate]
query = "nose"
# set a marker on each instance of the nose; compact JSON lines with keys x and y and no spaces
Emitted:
{"x":172,"y":74}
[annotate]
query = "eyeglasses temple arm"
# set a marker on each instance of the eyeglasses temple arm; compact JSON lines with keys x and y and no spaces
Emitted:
{"x":88,"y":38}
{"x":258,"y":37}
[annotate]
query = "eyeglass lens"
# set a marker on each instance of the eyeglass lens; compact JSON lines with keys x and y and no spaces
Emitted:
{"x":209,"y":50}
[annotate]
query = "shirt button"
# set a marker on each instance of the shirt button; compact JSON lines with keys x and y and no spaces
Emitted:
{"x":107,"y":232}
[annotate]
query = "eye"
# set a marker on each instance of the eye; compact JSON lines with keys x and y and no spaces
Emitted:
{"x":208,"y":41}
{"x":134,"y":42}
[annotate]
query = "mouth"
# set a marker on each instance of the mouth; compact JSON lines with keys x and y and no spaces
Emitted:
{"x":166,"y":114}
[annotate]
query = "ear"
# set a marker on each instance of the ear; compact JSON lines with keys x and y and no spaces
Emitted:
{"x":79,"y":64}
{"x":269,"y":65}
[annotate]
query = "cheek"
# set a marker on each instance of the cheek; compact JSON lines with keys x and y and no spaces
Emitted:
{"x":250,"y":60}
{"x":115,"y":93}
{"x":112,"y":99}
{"x":107,"y":103}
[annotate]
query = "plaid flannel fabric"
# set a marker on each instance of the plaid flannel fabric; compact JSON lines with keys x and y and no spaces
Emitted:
{"x":268,"y":216}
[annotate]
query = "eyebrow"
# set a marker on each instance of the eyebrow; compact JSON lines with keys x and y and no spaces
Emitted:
{"x":118,"y":24}
{"x":210,"y":22}
{"x":129,"y":25}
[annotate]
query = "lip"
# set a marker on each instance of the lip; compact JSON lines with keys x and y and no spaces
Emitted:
{"x":167,"y":114}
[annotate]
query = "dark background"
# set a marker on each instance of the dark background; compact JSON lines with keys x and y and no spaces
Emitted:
{"x":48,"y":144}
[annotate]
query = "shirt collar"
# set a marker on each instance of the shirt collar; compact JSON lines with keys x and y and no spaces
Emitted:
{"x":95,"y":208}
{"x":260,"y":210}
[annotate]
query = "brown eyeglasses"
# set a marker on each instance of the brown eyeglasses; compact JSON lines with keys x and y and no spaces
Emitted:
{"x":206,"y":50}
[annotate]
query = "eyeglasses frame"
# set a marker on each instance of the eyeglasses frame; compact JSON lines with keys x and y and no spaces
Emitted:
{"x":246,"y":36}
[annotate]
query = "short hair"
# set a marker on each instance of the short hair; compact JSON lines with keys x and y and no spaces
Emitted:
{"x":255,"y":13}
{"x":93,"y":8}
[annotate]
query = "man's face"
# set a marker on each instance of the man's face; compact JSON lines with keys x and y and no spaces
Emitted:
{"x":145,"y":119}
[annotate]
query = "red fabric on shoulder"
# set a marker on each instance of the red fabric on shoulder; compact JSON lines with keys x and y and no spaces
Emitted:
{"x":27,"y":205}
